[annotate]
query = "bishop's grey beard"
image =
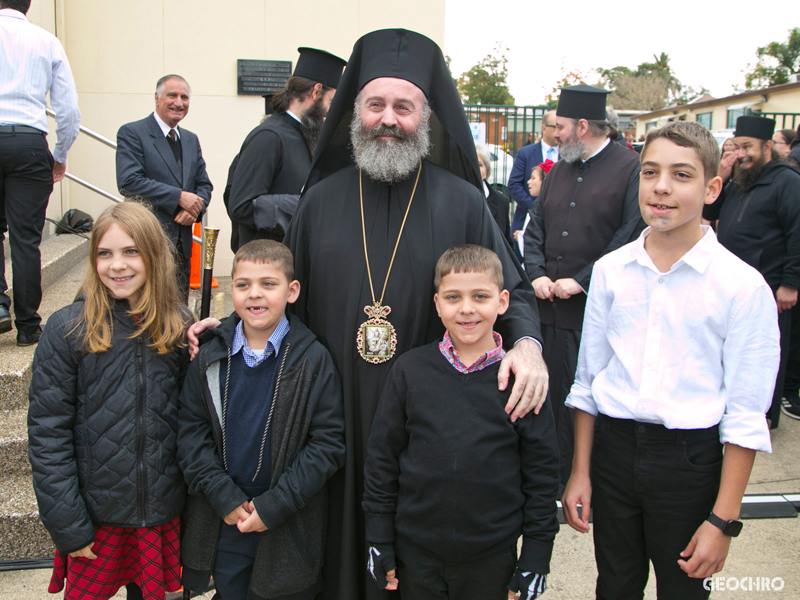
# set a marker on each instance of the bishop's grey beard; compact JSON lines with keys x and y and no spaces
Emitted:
{"x":572,"y":149}
{"x":312,"y":122}
{"x":746,"y":178}
{"x":393,"y":160}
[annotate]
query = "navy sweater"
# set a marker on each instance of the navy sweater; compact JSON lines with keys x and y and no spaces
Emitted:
{"x":447,"y":469}
{"x":249,"y":403}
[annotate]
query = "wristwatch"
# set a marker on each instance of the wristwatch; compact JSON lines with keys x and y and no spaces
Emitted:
{"x":730,"y":528}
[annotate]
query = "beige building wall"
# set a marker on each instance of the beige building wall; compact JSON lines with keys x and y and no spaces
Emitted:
{"x":118,"y":50}
{"x":787,"y":101}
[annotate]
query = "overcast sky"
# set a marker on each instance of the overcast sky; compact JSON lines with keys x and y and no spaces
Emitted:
{"x":707,"y":44}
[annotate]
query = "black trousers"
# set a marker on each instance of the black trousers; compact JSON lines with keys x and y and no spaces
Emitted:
{"x":425,"y":576}
{"x":183,"y":271}
{"x":791,"y":383}
{"x":560,"y":353}
{"x":785,"y":326}
{"x":234,"y":565}
{"x":26,"y":182}
{"x":652,"y":487}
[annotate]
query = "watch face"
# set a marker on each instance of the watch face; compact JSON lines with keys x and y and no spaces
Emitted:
{"x":733,"y":528}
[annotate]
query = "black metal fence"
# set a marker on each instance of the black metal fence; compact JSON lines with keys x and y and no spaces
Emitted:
{"x":504,"y":130}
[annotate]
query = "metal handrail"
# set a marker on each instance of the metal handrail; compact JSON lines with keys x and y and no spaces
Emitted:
{"x":94,"y":188}
{"x":89,"y":132}
{"x":111,"y":144}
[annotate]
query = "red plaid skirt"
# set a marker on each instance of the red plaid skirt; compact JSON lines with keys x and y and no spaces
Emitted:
{"x":148,"y":557}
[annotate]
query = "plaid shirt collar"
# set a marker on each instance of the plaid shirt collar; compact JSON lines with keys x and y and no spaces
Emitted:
{"x":252,"y":358}
{"x":451,"y":354}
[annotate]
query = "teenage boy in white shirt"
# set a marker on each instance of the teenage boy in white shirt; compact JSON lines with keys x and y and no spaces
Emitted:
{"x":678,"y":357}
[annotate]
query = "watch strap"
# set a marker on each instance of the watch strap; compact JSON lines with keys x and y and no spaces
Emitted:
{"x":724,"y":525}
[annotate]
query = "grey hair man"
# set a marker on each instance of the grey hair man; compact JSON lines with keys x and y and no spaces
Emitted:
{"x":162,"y":162}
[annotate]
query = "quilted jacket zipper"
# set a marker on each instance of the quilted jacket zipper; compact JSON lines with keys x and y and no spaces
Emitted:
{"x":140,"y":420}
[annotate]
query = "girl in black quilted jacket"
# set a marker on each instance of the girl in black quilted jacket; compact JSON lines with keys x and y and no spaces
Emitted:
{"x":102,"y":422}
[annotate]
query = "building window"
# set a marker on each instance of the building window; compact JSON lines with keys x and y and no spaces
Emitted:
{"x":650,"y":126}
{"x":705,"y":120}
{"x":733,"y":115}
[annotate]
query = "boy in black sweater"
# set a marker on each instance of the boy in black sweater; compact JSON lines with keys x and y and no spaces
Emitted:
{"x":450,"y":481}
{"x":260,"y":432}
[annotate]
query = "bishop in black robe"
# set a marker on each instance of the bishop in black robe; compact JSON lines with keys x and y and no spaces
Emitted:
{"x":326,"y":239}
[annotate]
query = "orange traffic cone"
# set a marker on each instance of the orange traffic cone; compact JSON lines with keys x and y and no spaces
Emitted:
{"x":196,"y":273}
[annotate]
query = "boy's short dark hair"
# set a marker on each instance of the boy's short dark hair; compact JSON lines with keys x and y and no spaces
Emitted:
{"x":266,"y":251}
{"x":688,"y":134}
{"x":469,"y":258}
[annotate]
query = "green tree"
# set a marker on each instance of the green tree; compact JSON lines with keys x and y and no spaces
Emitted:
{"x":652,"y":86}
{"x":485,"y":83}
{"x":776,"y":61}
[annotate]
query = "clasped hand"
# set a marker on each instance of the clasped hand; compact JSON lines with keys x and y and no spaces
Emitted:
{"x":246,"y":518}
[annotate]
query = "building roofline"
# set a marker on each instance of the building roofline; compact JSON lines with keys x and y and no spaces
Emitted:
{"x":785,"y":87}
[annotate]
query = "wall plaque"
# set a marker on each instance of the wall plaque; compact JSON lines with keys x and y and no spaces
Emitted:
{"x":259,"y":77}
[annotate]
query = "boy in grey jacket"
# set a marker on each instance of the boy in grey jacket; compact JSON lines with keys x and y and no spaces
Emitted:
{"x":261,"y":430}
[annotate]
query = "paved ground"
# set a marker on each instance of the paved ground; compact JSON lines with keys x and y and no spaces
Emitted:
{"x":767,"y":548}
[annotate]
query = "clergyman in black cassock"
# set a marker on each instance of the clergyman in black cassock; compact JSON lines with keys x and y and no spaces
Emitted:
{"x":275,"y":157}
{"x":325,"y":236}
{"x":588,"y":207}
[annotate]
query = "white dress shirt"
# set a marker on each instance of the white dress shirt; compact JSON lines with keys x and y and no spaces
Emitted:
{"x":165,"y":128}
{"x":689,"y":349}
{"x":33,"y":63}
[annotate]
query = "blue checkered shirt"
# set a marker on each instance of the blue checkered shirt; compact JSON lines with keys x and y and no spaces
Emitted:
{"x":251,"y":357}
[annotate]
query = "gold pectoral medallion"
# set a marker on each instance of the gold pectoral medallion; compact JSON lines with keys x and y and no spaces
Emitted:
{"x":376,"y":340}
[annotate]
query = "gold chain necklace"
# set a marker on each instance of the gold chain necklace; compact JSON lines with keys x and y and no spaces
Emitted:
{"x":377,"y":339}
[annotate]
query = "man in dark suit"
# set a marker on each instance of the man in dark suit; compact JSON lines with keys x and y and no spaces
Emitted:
{"x":163,"y":163}
{"x":527,"y":158}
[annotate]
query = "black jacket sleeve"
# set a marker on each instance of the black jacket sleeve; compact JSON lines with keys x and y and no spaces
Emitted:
{"x":540,"y":477}
{"x":788,"y":213}
{"x":198,"y":454}
{"x":388,"y":438}
{"x":52,"y":412}
{"x":324,"y":450}
{"x":711,"y":211}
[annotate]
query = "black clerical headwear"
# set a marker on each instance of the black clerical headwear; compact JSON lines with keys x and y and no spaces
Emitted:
{"x":320,"y":66}
{"x":760,"y":128}
{"x":582,"y":102}
{"x":404,"y":55}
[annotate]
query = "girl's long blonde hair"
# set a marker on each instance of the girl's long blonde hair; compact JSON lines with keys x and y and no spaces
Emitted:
{"x":159,"y":307}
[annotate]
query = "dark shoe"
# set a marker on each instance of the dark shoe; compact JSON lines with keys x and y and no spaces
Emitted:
{"x":29,"y":339}
{"x":5,"y":319}
{"x":790,"y":409}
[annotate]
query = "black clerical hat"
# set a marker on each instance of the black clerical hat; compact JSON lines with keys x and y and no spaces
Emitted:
{"x":582,"y":102}
{"x":760,"y":128}
{"x":405,"y":55}
{"x":320,"y":66}
{"x":401,"y":54}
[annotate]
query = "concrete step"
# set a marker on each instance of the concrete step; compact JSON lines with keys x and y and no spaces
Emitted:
{"x":14,"y":442}
{"x":22,"y":534}
{"x":60,"y":253}
{"x":15,"y":362}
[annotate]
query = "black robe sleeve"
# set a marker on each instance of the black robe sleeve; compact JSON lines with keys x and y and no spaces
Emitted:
{"x":522,"y":317}
{"x":533,"y":238}
{"x":259,"y":162}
